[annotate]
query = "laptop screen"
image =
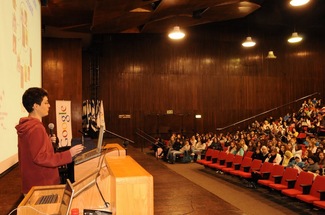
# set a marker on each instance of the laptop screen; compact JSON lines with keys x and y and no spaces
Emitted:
{"x":100,"y":139}
{"x":66,"y":198}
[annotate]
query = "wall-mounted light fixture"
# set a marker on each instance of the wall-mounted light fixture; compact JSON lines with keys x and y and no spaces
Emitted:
{"x":270,"y":55}
{"x":198,"y":116}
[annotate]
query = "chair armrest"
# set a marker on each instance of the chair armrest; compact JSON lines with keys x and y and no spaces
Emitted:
{"x":305,"y":188}
{"x":322,"y":194}
{"x":237,"y":166}
{"x":214,"y":160}
{"x":246,"y":168}
{"x":222,"y":162}
{"x":277,"y":179}
{"x":208,"y":158}
{"x":228,"y":164}
{"x":265,"y":175}
{"x":291,"y":183}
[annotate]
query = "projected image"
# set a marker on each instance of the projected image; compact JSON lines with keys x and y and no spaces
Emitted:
{"x":20,"y":42}
{"x":20,"y":68}
{"x":3,"y":112}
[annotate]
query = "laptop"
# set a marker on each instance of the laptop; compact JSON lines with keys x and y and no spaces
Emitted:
{"x":66,"y":199}
{"x":83,"y":157}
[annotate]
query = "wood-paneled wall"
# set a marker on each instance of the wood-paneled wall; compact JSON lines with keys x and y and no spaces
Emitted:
{"x":62,"y":77}
{"x":209,"y":74}
{"x":146,"y":75}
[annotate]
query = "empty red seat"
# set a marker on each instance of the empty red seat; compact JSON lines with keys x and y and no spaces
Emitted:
{"x":248,"y":154}
{"x":319,"y":204}
{"x":282,"y":181}
{"x":276,"y":171}
{"x":294,"y":186}
{"x":212,"y":158}
{"x":232,"y":165}
{"x":244,"y":166}
{"x":317,"y":190}
{"x":220,"y":160}
{"x":207,"y":156}
{"x":255,"y":165}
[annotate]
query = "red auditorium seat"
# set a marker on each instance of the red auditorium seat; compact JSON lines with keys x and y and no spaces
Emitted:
{"x":207,"y":156}
{"x":213,"y":159}
{"x":221,"y":158}
{"x":254,"y":165}
{"x":248,"y":154}
{"x":244,"y":166}
{"x":222,"y":162}
{"x":276,"y":171}
{"x":317,"y":189}
{"x":282,"y":181}
{"x":231,"y":166}
{"x":294,"y":186}
{"x":265,"y":170}
{"x":319,"y":204}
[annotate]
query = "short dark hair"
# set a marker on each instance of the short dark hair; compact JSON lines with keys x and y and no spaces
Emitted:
{"x":33,"y":95}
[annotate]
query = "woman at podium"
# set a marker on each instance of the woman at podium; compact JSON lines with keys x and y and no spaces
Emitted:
{"x":38,"y":162}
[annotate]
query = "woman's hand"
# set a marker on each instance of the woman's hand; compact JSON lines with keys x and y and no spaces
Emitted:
{"x":76,"y":149}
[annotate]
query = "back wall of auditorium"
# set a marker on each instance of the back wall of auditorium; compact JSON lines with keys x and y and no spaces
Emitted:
{"x":149,"y":82}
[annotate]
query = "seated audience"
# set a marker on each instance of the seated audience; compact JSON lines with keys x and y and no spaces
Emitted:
{"x":174,"y":153}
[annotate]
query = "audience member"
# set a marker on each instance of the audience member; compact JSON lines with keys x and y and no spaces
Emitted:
{"x":274,"y":157}
{"x":287,"y":158}
{"x":174,"y":153}
{"x":312,"y":165}
{"x":198,"y":148}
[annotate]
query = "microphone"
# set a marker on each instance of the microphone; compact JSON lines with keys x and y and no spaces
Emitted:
{"x":51,"y":127}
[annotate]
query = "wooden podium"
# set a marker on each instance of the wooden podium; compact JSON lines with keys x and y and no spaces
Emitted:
{"x":130,"y":187}
{"x":124,"y":184}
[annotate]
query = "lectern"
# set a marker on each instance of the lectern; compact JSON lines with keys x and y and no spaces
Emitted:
{"x":119,"y":180}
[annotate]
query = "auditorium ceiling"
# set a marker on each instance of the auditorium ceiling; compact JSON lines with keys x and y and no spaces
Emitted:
{"x":159,"y":16}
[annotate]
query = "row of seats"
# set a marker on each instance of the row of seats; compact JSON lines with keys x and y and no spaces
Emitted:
{"x":304,"y":186}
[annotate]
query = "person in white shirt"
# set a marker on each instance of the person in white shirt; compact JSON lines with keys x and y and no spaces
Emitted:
{"x":274,"y":157}
{"x":198,"y":148}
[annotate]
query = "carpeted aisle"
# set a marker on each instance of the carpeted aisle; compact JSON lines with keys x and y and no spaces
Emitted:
{"x":175,"y":194}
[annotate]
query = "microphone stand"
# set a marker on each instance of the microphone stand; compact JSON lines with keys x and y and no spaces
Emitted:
{"x":126,"y":140}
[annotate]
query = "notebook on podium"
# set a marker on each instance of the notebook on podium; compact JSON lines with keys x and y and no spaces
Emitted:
{"x":83,"y":157}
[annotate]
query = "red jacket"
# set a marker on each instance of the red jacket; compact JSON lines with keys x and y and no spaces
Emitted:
{"x":37,"y":161}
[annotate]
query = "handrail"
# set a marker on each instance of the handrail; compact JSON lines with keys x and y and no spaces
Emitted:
{"x":150,"y":141}
{"x":265,"y":112}
{"x":146,"y":137}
